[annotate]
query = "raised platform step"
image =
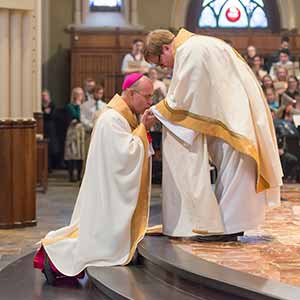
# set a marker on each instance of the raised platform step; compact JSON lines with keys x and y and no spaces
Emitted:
{"x":134,"y":282}
{"x":167,"y":272}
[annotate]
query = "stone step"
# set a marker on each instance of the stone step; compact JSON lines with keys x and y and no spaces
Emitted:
{"x":170,"y":264}
{"x":134,"y":283}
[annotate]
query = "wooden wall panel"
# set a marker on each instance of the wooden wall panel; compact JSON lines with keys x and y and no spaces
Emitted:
{"x":6,"y":177}
{"x":29,"y":155}
{"x":99,"y":55}
{"x":297,"y":42}
{"x":125,"y":41}
{"x":18,"y":163}
{"x":19,"y":174}
{"x":94,"y":41}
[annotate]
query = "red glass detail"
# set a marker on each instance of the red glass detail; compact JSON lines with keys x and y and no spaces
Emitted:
{"x":233,"y":14}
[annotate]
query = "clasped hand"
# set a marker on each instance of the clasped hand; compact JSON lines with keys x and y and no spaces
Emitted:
{"x":148,"y":119}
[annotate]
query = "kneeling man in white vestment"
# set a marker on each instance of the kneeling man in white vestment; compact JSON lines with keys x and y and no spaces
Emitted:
{"x":111,"y":212}
{"x":215,"y":111}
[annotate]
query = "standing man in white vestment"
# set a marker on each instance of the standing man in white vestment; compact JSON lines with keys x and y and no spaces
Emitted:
{"x":111,"y":212}
{"x":214,"y":109}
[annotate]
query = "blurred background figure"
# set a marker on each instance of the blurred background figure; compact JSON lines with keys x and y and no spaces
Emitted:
{"x":271,"y":98}
{"x":274,"y":57}
{"x":251,"y":53}
{"x":89,"y":108}
{"x":257,"y":67}
{"x":75,"y":138}
{"x":134,"y":61}
{"x":89,"y":86}
{"x":89,"y":111}
{"x":284,"y":61}
{"x":48,"y":109}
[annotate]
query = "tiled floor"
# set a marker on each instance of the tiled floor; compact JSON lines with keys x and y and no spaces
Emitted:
{"x":272,"y":251}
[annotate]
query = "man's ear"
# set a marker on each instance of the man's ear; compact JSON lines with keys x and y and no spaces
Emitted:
{"x":165,"y":48}
{"x":131,"y":92}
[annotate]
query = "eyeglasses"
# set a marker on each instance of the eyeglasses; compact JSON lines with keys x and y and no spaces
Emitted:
{"x":159,"y":62}
{"x":145,"y":96}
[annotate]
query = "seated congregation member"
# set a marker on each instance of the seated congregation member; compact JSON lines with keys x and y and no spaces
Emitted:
{"x":293,"y":87}
{"x":251,"y":53}
{"x":134,"y":61}
{"x":257,"y":68}
{"x":75,"y":138}
{"x":271,"y":98}
{"x":214,"y":110}
{"x":274,"y":57}
{"x":280,"y":81}
{"x":287,"y":109}
{"x":284,"y":61}
{"x":111,"y":212}
{"x":267,"y":82}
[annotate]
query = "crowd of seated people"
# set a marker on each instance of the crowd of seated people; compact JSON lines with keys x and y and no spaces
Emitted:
{"x":279,"y":76}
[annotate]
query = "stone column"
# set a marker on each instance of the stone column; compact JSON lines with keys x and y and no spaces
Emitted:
{"x":26,"y":98}
{"x":84,"y":10}
{"x":286,"y":10}
{"x":77,"y":12}
{"x":16,"y":63}
{"x":134,"y":13}
{"x":45,"y":32}
{"x":4,"y":63}
{"x":38,"y":55}
{"x":127,"y":10}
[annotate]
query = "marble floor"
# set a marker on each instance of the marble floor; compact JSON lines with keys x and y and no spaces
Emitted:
{"x":272,"y":251}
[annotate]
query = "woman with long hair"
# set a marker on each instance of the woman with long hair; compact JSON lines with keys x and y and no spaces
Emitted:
{"x":75,"y":140}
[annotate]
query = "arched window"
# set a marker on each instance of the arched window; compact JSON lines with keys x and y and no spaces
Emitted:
{"x":230,"y":14}
{"x":105,"y":5}
{"x":233,"y":14}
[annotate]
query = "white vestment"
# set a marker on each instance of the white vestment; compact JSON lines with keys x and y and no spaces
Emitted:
{"x":111,"y":212}
{"x":215,"y":110}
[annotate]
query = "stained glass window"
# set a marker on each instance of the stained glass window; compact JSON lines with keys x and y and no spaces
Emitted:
{"x":105,"y":5}
{"x":233,"y":14}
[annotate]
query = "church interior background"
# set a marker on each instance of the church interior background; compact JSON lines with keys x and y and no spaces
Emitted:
{"x":54,"y":46}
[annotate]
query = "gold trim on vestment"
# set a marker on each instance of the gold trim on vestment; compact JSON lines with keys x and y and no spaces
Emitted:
{"x":182,"y":36}
{"x":139,"y":221}
{"x":73,"y":234}
{"x":118,"y":104}
{"x":155,"y":230}
{"x":212,"y":127}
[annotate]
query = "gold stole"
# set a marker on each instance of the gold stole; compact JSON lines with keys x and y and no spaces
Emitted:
{"x":139,"y":221}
